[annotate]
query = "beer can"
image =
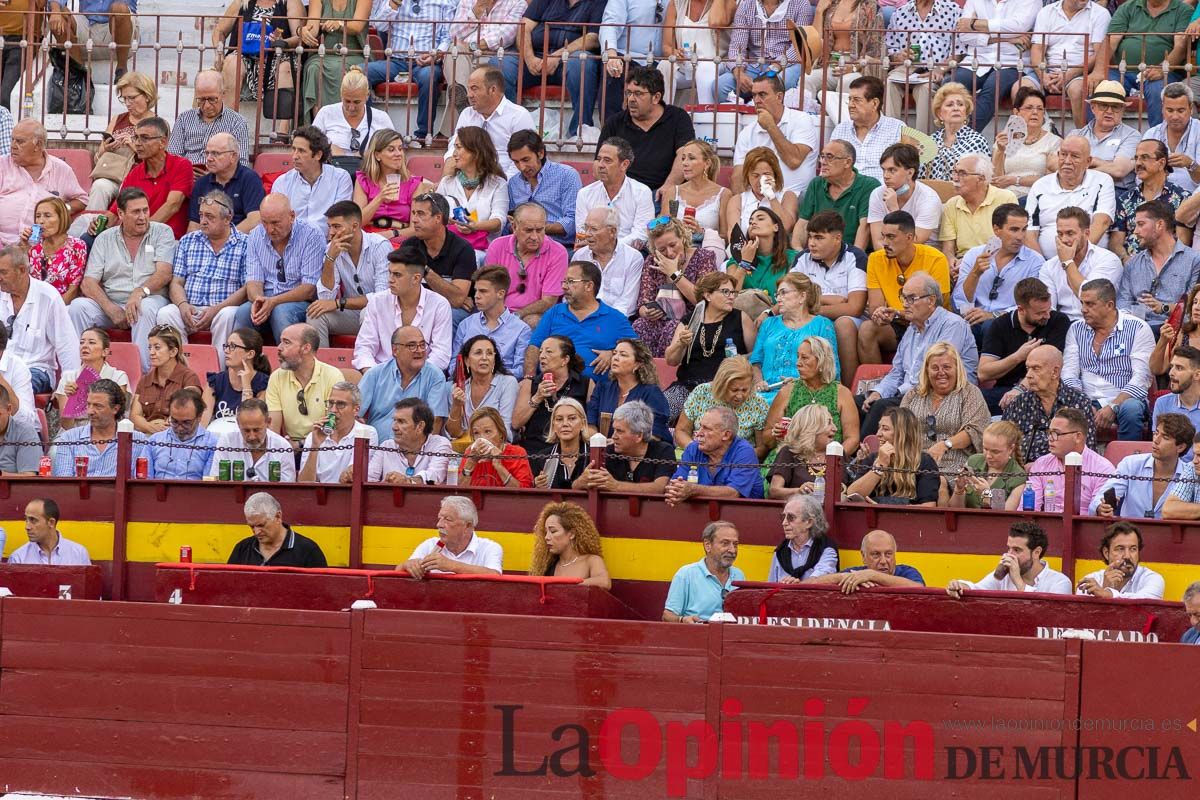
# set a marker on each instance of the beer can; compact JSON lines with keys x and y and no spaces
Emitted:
{"x":81,"y":466}
{"x":45,"y":467}
{"x":275,"y":472}
{"x":330,"y":423}
{"x":101,"y":223}
{"x":916,"y":52}
{"x":223,"y":469}
{"x":142,"y":468}
{"x":185,"y":554}
{"x":239,"y":470}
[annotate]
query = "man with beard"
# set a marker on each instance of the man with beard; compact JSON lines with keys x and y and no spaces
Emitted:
{"x":1012,"y":338}
{"x":252,"y":444}
{"x":297,"y":391}
{"x":1121,"y":550}
{"x":1184,"y":382}
{"x":96,"y":442}
{"x":1143,"y":480}
{"x":698,"y":590}
{"x":1021,"y":568}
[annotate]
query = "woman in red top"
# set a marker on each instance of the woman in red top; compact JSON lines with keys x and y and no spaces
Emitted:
{"x":489,"y":439}
{"x":56,"y":258}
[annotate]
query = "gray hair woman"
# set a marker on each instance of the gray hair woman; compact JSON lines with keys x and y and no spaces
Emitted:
{"x":635,"y":461}
{"x":805,"y":552}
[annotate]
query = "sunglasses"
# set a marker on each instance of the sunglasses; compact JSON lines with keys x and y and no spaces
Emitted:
{"x":416,"y":8}
{"x":658,"y":222}
{"x":302,"y":403}
{"x":900,"y":279}
{"x":355,"y":138}
{"x":931,"y":427}
{"x":8,"y":324}
{"x":994,"y":292}
{"x":280,"y":271}
{"x":159,"y":330}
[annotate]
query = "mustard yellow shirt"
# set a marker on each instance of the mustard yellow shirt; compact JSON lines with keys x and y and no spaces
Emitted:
{"x":883,"y":273}
{"x":969,"y":230}
{"x":283,"y":390}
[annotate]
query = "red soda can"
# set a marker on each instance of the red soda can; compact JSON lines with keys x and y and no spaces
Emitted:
{"x":784,"y":424}
{"x":45,"y":467}
{"x":142,"y":467}
{"x":81,"y":466}
{"x":185,"y":554}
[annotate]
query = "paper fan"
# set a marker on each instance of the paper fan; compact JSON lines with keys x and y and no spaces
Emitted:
{"x":924,"y":142}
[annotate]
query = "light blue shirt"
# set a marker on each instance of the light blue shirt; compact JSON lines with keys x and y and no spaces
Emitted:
{"x":168,"y":461}
{"x":65,"y":554}
{"x":942,"y":326}
{"x":511,"y":336}
{"x":827,"y":565}
{"x":1133,"y":484}
{"x":302,"y":258}
{"x":310,"y":201}
{"x":637,"y":42}
{"x":78,"y":442}
{"x":1189,"y":145}
{"x":696,"y":592}
{"x":1026,"y":264}
{"x":1169,"y":404}
{"x":409,"y":27}
{"x":381,"y":390}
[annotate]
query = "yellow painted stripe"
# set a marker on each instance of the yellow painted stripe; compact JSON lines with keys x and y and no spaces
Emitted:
{"x":1177,"y":576}
{"x":160,"y":541}
{"x":96,"y":537}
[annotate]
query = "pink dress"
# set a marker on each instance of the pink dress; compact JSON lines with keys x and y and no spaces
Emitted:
{"x":65,"y":268}
{"x":400,"y":208}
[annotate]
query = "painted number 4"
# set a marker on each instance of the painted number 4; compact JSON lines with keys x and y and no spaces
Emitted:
{"x":176,"y":598}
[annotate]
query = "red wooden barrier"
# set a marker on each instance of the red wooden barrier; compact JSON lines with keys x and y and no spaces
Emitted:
{"x":1042,"y":616}
{"x":30,"y":580}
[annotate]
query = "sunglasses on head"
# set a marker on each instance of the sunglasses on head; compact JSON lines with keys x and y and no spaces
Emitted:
{"x":658,"y":222}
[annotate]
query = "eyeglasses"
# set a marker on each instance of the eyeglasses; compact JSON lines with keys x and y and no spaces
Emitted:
{"x":414,"y":347}
{"x":900,"y":279}
{"x":302,"y":402}
{"x":732,"y":293}
{"x":909,"y":299}
{"x":658,"y":14}
{"x":416,"y":8}
{"x":658,"y":222}
{"x":355,"y":138}
{"x":1053,"y":434}
{"x":832,"y":157}
{"x":959,"y":174}
{"x":160,"y":330}
{"x":141,"y":137}
{"x":216,"y":154}
{"x":208,"y":99}
{"x":337,"y":404}
{"x":788,"y":516}
{"x":994,"y":292}
{"x":280,"y":271}
{"x":8,"y":324}
{"x":639,"y":94}
{"x":568,"y":281}
{"x":229,"y":347}
{"x":126,"y":99}
{"x":181,"y":423}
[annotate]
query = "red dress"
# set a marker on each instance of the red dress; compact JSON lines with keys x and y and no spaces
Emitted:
{"x":514,"y":459}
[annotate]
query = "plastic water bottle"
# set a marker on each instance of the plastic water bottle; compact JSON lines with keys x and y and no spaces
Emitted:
{"x":27,"y":106}
{"x":1050,"y":496}
{"x":818,"y":491}
{"x":693,"y":474}
{"x":730,"y":349}
{"x":1028,"y":498}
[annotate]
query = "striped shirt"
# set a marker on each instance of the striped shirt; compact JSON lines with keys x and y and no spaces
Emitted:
{"x":755,"y":35}
{"x":1123,"y":364}
{"x":302,"y":259}
{"x":191,"y":134}
{"x":1168,"y":285}
{"x":410,"y":28}
{"x":101,"y":464}
{"x":215,"y":275}
{"x":883,"y":134}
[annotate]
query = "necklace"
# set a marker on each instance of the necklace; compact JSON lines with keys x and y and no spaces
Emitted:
{"x":569,"y":563}
{"x":705,"y":350}
{"x":469,"y":183}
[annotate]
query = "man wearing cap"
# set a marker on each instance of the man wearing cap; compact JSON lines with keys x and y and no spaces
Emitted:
{"x":1169,"y":19}
{"x":1073,"y":185}
{"x":1112,"y":142}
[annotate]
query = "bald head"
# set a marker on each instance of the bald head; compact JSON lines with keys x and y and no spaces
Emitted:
{"x":879,"y":552}
{"x":209,"y":80}
{"x":223,"y":141}
{"x":277,"y":217}
{"x":29,"y":144}
{"x":1078,"y":142}
{"x":1043,"y":367}
{"x":1046,"y":354}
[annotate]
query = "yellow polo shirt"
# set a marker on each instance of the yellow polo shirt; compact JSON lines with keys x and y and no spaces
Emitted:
{"x":283,"y":390}
{"x":969,"y":230}
{"x":883,"y":273}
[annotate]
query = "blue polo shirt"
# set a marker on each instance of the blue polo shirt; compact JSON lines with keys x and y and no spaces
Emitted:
{"x":381,"y":390}
{"x":696,"y":592}
{"x":599,"y":330}
{"x":245,"y":188}
{"x":901,"y":571}
{"x":747,"y":480}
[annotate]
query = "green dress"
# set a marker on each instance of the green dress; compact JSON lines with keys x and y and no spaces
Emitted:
{"x":1009,"y":482}
{"x":323,"y":74}
{"x":802,"y":396}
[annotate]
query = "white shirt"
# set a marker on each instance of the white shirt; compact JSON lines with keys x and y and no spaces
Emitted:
{"x":42,"y":334}
{"x":381,"y":318}
{"x":507,"y":119}
{"x":634,"y":203}
{"x":479,"y":552}
{"x":800,"y":128}
{"x":232,"y":447}
{"x":331,"y":463}
{"x":621,"y":277}
{"x":1097,"y":263}
{"x":838,"y":280}
{"x":428,"y":467}
{"x":923,"y":204}
{"x":371,"y":269}
{"x":1144,"y":584}
{"x":332,"y":122}
{"x":1188,"y":145}
{"x":1095,"y":195}
{"x":311,"y":200}
{"x":1003,"y":16}
{"x":1066,"y":50}
{"x":17,"y":374}
{"x":1048,"y":580}
{"x":489,"y":200}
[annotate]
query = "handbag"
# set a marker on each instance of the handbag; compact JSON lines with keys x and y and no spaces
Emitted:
{"x":114,"y":165}
{"x":253,"y":34}
{"x":68,"y":95}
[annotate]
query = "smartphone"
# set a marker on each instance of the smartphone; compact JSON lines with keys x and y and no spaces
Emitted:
{"x":550,"y":469}
{"x":673,"y":208}
{"x":1110,"y":500}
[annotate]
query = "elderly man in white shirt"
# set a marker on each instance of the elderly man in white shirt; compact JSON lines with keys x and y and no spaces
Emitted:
{"x":414,"y":454}
{"x":620,"y":265}
{"x":41,"y":334}
{"x":328,"y":452}
{"x":790,"y":133}
{"x":1075,"y":262}
{"x":456,"y":548}
{"x":614,"y":188}
{"x":987,"y":70}
{"x":1059,"y":32}
{"x":1021,"y":568}
{"x":1123,"y":576}
{"x":1073,"y":185}
{"x":489,"y":109}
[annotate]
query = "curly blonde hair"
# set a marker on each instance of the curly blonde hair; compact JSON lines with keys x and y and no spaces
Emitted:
{"x":575,"y":521}
{"x":948,"y":90}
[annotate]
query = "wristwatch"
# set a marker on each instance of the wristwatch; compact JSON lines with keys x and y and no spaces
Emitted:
{"x":948,"y":444}
{"x":675,"y":276}
{"x":145,"y":291}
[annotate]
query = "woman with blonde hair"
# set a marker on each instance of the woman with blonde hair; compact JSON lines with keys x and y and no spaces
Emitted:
{"x":801,"y":457}
{"x":351,"y":123}
{"x":668,"y":286}
{"x":700,"y":197}
{"x":763,"y":179}
{"x":816,"y":384}
{"x":168,"y":374}
{"x":732,"y":387}
{"x":139,"y":94}
{"x":952,"y":409}
{"x":566,"y":544}
{"x":384,"y":188}
{"x":779,"y":337}
{"x":900,"y":473}
{"x":955,"y":138}
{"x":991,"y":479}
{"x":490,"y":460}
{"x":567,"y":456}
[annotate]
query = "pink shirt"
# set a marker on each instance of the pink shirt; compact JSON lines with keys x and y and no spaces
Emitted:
{"x":381,"y":318}
{"x":19,"y":193}
{"x":1099,"y":467}
{"x":400,"y":208}
{"x":543,"y":274}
